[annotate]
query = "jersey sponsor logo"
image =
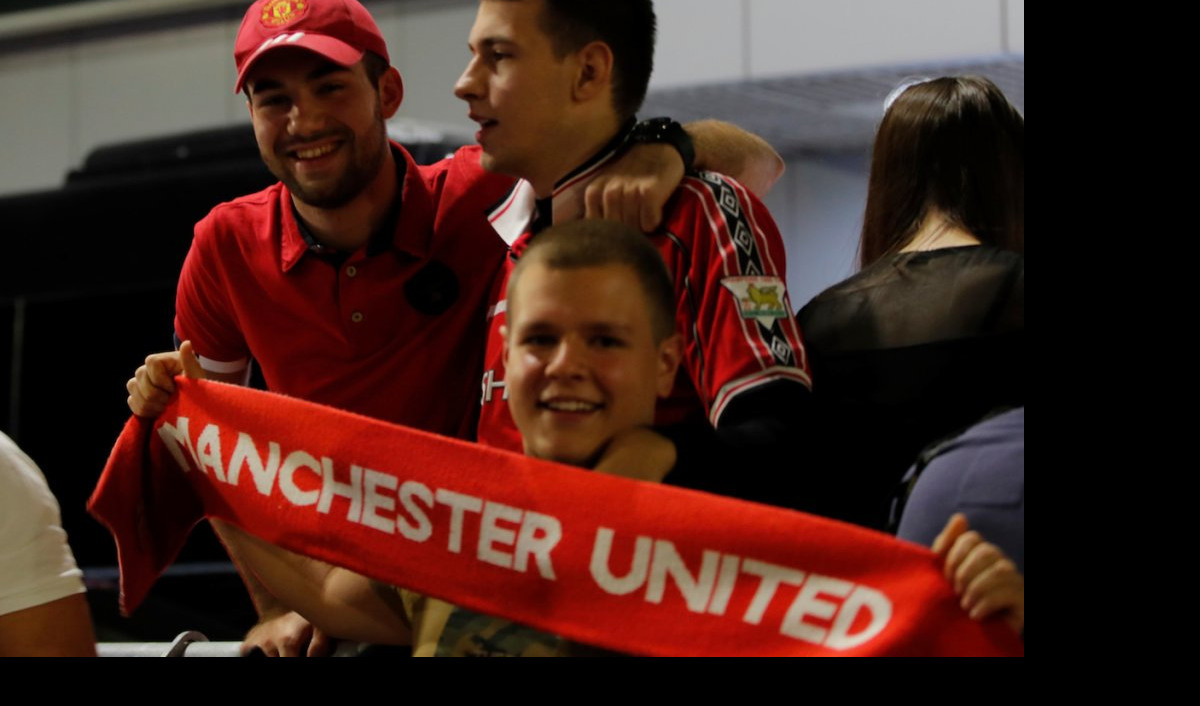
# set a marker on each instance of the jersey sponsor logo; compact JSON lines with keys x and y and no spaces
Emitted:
{"x":759,"y":298}
{"x":280,"y":12}
{"x":490,"y":385}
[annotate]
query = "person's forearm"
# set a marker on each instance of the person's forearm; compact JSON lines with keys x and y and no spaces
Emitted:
{"x":728,"y":149}
{"x":265,"y":604}
{"x":742,"y":458}
{"x":336,"y":600}
{"x":60,"y":628}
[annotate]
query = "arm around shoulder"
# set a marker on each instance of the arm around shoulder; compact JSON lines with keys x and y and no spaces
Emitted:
{"x":728,"y":149}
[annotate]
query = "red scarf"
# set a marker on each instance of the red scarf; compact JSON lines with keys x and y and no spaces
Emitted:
{"x":620,"y":564}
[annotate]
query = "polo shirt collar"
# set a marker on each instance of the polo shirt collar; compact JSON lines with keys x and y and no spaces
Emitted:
{"x":400,"y":230}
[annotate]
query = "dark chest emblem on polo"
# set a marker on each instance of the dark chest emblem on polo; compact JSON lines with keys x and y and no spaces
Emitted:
{"x":433,"y":290}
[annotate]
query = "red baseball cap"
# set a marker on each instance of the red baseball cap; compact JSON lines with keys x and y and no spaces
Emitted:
{"x":339,"y":30}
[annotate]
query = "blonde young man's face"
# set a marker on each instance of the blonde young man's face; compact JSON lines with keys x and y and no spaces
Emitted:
{"x":582,"y":363}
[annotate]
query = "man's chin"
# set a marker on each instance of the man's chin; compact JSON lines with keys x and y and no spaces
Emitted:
{"x":577,"y":458}
{"x":488,"y":162}
{"x":496,"y":165}
{"x":323,"y":197}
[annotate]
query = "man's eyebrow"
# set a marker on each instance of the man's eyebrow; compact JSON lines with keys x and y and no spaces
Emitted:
{"x":266,"y":84}
{"x":491,"y":42}
{"x":595,"y":327}
{"x":325,"y":69}
{"x":537,"y":326}
{"x":270,"y":84}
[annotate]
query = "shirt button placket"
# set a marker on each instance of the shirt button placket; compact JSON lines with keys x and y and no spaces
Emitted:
{"x":352,"y":272}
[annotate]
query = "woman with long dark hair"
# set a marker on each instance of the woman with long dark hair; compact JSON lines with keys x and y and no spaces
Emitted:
{"x":928,"y":337}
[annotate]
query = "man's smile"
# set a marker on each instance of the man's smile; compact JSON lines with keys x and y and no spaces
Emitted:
{"x":572,"y":405}
{"x":313,"y":152}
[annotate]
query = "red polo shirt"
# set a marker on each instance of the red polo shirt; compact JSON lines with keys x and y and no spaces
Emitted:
{"x":395,"y":333}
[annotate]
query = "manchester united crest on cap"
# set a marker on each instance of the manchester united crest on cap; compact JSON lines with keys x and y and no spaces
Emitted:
{"x":280,"y":12}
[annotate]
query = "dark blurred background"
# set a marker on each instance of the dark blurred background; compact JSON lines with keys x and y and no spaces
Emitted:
{"x":78,"y":314}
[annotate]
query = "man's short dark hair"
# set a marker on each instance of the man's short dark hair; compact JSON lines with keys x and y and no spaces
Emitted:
{"x":376,"y":66}
{"x":628,"y":27}
{"x":597,"y":243}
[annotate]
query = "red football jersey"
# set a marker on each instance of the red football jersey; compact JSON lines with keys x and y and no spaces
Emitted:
{"x":727,"y":260}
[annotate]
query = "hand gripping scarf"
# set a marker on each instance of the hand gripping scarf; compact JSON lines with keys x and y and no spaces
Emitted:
{"x":620,"y":564}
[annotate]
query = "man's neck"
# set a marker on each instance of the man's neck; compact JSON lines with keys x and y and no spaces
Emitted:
{"x":585,"y":141}
{"x":348,"y":227}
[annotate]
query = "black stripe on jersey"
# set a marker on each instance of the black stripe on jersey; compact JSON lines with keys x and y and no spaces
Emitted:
{"x":749,"y":260}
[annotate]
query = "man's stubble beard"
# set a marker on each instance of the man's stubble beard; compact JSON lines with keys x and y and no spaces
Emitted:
{"x":360,"y":172}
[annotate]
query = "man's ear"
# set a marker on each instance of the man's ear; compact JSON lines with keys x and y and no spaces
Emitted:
{"x":504,"y":337}
{"x":595,"y":74}
{"x":670,"y":354}
{"x":391,"y":92}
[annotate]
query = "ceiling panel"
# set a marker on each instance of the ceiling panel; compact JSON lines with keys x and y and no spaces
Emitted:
{"x":819,"y":113}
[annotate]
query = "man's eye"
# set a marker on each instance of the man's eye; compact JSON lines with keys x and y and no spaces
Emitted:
{"x":539,"y":341}
{"x":495,"y":56}
{"x":608,"y":342}
{"x":272,"y":101}
{"x":331,"y":88}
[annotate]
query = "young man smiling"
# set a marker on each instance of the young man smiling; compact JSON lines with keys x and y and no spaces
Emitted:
{"x":554,"y":85}
{"x":590,"y":344}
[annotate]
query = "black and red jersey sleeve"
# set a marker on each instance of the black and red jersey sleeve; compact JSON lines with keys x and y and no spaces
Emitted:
{"x":744,"y":353}
{"x":729,"y":265}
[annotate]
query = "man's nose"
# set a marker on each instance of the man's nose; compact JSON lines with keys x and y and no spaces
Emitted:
{"x":467,"y":85}
{"x":306,"y":117}
{"x":567,"y":360}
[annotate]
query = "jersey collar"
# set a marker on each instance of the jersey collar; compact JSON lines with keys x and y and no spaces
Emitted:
{"x":520,"y":214}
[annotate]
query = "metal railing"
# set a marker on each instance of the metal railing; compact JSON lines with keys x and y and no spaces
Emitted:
{"x":194,"y":644}
{"x":186,"y":644}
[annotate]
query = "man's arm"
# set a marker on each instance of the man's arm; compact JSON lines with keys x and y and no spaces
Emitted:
{"x":738,"y":459}
{"x":336,"y":600}
{"x":636,"y":187}
{"x":43,"y":607}
{"x":280,"y":631}
{"x":726,"y":148}
{"x":61,"y":628}
{"x":744,"y":355}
